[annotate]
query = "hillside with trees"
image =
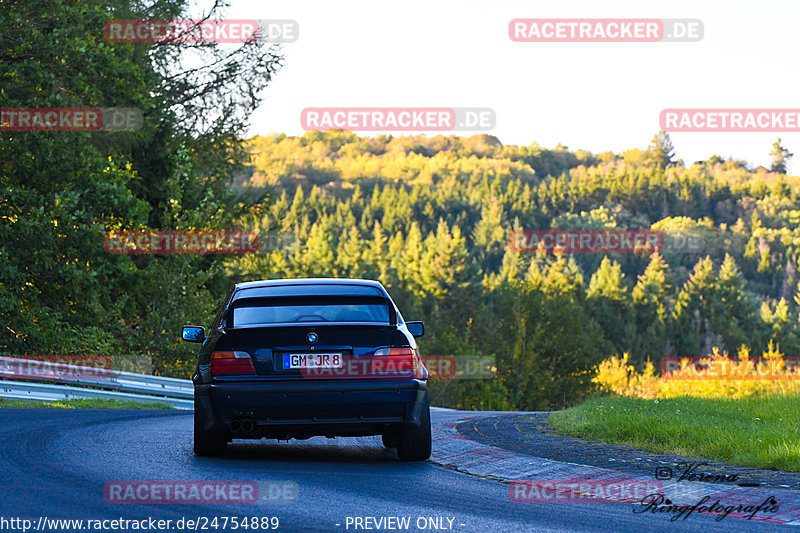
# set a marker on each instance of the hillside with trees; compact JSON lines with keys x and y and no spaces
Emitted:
{"x":431,"y":218}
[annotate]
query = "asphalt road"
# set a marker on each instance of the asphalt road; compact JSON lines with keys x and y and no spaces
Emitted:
{"x":55,"y":463}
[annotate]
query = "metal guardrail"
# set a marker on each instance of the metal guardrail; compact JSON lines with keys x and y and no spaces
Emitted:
{"x":72,"y":382}
{"x":20,"y":390}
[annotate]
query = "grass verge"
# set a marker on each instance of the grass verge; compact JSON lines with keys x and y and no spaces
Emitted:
{"x":758,"y":431}
{"x":82,"y":404}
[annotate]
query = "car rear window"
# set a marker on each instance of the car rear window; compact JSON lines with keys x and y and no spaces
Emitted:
{"x":249,"y":314}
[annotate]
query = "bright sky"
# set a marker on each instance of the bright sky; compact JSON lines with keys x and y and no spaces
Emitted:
{"x":595,"y":96}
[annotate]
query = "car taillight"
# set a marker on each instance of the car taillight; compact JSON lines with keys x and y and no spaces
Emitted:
{"x":231,"y":363}
{"x":395,"y":361}
{"x":403,"y":350}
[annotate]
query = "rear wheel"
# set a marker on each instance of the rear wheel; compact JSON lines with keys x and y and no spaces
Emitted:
{"x":415,"y":442}
{"x":206,"y":443}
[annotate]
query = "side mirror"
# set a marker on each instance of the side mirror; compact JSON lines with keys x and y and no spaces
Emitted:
{"x":194,"y":333}
{"x":416,"y":328}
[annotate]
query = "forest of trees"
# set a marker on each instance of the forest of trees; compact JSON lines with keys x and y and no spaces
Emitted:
{"x":429,"y":217}
{"x":61,"y":191}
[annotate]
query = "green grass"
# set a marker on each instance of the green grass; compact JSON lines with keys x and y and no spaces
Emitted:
{"x":761,"y":432}
{"x":82,"y":404}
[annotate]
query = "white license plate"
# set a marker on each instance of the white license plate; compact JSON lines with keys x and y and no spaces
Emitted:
{"x":312,"y":360}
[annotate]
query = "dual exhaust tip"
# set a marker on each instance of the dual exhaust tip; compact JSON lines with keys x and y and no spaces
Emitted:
{"x":242,"y":425}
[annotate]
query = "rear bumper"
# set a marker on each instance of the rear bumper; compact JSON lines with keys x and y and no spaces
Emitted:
{"x":301,"y":409}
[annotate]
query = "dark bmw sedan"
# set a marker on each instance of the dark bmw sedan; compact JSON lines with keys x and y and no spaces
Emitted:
{"x":298,"y":358}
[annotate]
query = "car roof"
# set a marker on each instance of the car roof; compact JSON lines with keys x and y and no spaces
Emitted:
{"x":344,"y":286}
{"x":308,"y":281}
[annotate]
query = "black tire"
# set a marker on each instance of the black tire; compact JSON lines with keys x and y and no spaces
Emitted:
{"x":390,"y":439}
{"x":415,"y":442}
{"x":206,"y":443}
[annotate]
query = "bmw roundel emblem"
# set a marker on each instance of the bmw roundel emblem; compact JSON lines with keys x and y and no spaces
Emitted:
{"x":312,"y":337}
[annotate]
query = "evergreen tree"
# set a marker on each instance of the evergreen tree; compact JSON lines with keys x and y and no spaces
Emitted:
{"x":780,"y":157}
{"x":662,"y":150}
{"x":693,"y":310}
{"x":653,"y":288}
{"x":651,"y":300}
{"x":377,"y":256}
{"x":349,"y":254}
{"x":776,"y":320}
{"x":609,"y":305}
{"x":410,"y":267}
{"x":608,"y":282}
{"x":444,"y":266}
{"x":733,"y":314}
{"x":316,"y":258}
